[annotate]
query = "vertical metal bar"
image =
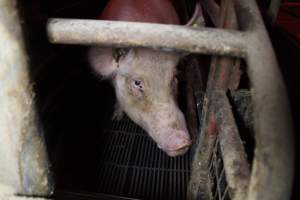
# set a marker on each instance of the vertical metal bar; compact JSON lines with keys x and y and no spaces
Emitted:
{"x":153,"y":172}
{"x":273,"y":10}
{"x":127,"y":157}
{"x":138,"y":162}
{"x":144,"y":172}
{"x":171,"y":181}
{"x":118,"y":161}
{"x":220,"y":76}
{"x":199,"y":183}
{"x":159,"y":182}
{"x":108,"y":160}
{"x":235,"y":162}
{"x":222,"y":180}
{"x":218,"y":190}
{"x":182,"y":178}
{"x":24,"y":167}
{"x":213,"y":10}
{"x":191,"y":117}
{"x":273,"y":165}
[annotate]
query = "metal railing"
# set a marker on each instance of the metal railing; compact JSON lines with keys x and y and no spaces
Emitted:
{"x":272,"y":169}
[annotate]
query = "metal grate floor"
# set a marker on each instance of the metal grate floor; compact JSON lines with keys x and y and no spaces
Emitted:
{"x":219,"y":187}
{"x":131,"y":165}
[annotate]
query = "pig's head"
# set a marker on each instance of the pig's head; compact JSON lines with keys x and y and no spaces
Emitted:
{"x":146,"y":88}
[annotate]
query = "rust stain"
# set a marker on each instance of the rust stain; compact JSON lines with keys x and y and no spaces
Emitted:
{"x":212,"y":126}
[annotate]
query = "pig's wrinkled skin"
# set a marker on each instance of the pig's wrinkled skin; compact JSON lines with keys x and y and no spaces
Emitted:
{"x":144,"y":79}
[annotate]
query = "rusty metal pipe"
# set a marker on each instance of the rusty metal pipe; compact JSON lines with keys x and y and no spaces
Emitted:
{"x":157,"y":36}
{"x":235,"y":160}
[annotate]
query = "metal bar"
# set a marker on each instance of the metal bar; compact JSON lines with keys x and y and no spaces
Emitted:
{"x":213,"y":10}
{"x":199,"y":184}
{"x":232,"y":149}
{"x":273,"y":10}
{"x":228,"y":74}
{"x":219,"y":78}
{"x":24,"y":166}
{"x":64,"y":194}
{"x":216,"y":169}
{"x":273,"y":165}
{"x":191,"y":118}
{"x":272,"y":172}
{"x":272,"y":175}
{"x":197,"y":20}
{"x":157,"y":36}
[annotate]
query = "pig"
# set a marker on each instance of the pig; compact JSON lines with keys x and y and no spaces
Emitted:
{"x":144,"y":79}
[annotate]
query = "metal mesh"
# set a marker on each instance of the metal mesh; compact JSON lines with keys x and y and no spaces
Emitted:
{"x":219,"y":187}
{"x":131,"y":165}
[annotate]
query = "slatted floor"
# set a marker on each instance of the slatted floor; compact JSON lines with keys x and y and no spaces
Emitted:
{"x":131,"y":165}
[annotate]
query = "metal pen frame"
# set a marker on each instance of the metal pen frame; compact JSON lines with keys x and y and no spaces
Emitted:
{"x":271,"y":175}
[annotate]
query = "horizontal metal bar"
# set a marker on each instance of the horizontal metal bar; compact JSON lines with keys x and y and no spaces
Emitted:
{"x":157,"y":36}
{"x":64,"y":194}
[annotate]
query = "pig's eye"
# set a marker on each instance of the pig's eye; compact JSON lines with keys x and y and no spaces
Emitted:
{"x":137,"y":83}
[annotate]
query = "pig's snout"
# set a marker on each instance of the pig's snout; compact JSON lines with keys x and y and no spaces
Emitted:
{"x":176,"y":144}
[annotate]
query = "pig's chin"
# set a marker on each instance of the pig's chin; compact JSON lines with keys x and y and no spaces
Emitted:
{"x":173,"y":143}
{"x":177,"y":152}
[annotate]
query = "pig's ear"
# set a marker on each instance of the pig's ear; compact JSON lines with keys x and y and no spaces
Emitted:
{"x":102,"y":61}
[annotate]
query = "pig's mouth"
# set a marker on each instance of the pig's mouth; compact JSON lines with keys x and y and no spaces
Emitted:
{"x":178,"y":151}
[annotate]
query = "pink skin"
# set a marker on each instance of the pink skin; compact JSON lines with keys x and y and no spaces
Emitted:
{"x":158,"y":124}
{"x":144,"y":79}
{"x":173,"y":140}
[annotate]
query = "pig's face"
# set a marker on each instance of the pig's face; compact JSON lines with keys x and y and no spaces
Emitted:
{"x":146,"y":89}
